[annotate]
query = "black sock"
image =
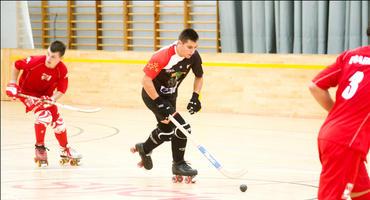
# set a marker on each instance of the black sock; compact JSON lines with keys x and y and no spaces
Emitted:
{"x":178,"y":148}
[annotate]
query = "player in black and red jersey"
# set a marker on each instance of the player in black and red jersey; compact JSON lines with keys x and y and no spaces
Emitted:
{"x":163,"y":75}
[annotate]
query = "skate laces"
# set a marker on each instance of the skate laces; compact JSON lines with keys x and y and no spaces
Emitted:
{"x":41,"y":148}
{"x":184,"y":163}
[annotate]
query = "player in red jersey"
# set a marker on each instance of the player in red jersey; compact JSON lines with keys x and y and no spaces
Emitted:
{"x":344,"y":138}
{"x":45,"y":77}
{"x":163,"y":74}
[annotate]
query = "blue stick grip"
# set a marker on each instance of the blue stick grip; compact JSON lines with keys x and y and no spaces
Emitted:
{"x":209,"y":157}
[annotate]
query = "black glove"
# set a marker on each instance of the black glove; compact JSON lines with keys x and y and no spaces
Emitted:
{"x":164,"y":107}
{"x":194,"y":104}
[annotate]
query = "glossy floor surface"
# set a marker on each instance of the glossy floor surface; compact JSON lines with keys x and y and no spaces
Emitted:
{"x":280,"y":154}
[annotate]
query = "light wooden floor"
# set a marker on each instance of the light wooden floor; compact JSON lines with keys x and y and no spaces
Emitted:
{"x":279,"y":153}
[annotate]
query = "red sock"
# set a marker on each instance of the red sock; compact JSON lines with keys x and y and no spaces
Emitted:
{"x":40,"y":130}
{"x":62,"y":138}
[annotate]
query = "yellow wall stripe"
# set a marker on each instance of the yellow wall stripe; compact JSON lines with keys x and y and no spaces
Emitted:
{"x":206,"y":64}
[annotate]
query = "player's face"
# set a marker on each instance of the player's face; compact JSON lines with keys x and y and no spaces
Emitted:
{"x":187,"y":48}
{"x":52,"y":59}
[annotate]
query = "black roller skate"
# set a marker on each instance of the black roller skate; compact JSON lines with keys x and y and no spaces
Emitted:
{"x":182,"y":169}
{"x":146,"y":160}
{"x":41,"y":156}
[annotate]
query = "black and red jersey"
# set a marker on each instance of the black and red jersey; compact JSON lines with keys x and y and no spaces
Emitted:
{"x":167,"y":69}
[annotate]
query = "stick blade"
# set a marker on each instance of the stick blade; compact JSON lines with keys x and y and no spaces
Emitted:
{"x":233,"y":174}
{"x":84,"y":110}
{"x":91,"y":110}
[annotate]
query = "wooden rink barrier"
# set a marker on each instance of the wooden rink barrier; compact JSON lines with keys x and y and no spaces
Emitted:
{"x":260,"y":84}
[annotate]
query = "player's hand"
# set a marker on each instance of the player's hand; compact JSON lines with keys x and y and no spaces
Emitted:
{"x":12,"y":90}
{"x":164,"y":107}
{"x":46,"y":101}
{"x":194,"y":104}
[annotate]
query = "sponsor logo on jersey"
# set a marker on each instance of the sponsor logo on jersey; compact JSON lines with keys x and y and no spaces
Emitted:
{"x":45,"y":77}
{"x":363,"y":60}
{"x":28,"y":60}
{"x":168,"y":90}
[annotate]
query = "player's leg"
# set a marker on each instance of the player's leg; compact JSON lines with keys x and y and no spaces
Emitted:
{"x":361,"y":189}
{"x":67,"y":153}
{"x":179,"y":140}
{"x":340,"y":166}
{"x":43,"y":119}
{"x":59,"y":127}
{"x":163,"y":132}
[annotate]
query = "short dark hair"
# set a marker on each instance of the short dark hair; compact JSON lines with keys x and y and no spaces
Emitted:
{"x":188,"y":34}
{"x":58,"y":46}
{"x":368,"y":31}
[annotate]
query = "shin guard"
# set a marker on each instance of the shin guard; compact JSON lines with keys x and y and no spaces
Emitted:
{"x":179,"y":140}
{"x":43,"y":119}
{"x":60,"y":131}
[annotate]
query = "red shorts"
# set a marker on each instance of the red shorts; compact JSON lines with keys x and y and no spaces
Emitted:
{"x":342,"y":168}
{"x":30,"y":105}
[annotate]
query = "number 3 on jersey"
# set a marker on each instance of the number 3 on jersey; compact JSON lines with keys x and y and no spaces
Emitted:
{"x":351,"y":89}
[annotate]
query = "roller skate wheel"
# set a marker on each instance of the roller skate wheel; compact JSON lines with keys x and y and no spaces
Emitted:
{"x":73,"y":162}
{"x":177,"y":179}
{"x":189,"y":180}
{"x":133,"y":150}
{"x":140,"y":164}
{"x":63,"y":161}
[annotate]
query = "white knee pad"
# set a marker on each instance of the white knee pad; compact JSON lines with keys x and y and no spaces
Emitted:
{"x":59,"y":126}
{"x":43,"y":117}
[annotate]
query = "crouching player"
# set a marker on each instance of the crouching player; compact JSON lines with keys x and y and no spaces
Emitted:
{"x":46,"y":77}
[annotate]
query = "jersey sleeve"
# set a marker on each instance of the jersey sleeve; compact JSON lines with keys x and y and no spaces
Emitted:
{"x":329,"y":77}
{"x":26,"y":63}
{"x":155,"y":65}
{"x":197,"y":66}
{"x":63,"y":80}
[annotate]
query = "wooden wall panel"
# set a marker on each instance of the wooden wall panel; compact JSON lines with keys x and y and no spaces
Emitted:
{"x":265,"y":91}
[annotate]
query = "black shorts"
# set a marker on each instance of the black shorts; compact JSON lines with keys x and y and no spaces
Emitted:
{"x":153,"y":107}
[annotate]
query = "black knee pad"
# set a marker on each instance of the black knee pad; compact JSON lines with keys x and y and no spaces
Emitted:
{"x":178,"y":133}
{"x":162,"y":133}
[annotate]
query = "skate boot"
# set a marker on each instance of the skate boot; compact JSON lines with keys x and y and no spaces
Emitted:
{"x":182,"y":169}
{"x":69,"y":155}
{"x":146,"y":160}
{"x":41,"y":156}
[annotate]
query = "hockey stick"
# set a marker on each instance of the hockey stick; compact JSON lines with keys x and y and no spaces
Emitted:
{"x":209,"y":156}
{"x":68,"y":107}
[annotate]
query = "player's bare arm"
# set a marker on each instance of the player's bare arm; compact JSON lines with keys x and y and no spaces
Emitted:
{"x":321,"y":96}
{"x":149,"y":87}
{"x":198,"y":83}
{"x":14,"y":75}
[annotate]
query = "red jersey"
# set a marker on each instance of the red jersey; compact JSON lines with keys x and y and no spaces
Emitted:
{"x":39,"y":80}
{"x":348,"y":122}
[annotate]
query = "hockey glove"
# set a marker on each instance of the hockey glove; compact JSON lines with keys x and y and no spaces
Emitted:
{"x":12,"y":90}
{"x":194,"y":104}
{"x":164,"y":107}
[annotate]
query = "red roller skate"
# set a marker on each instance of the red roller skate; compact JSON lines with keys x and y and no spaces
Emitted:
{"x":41,"y":156}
